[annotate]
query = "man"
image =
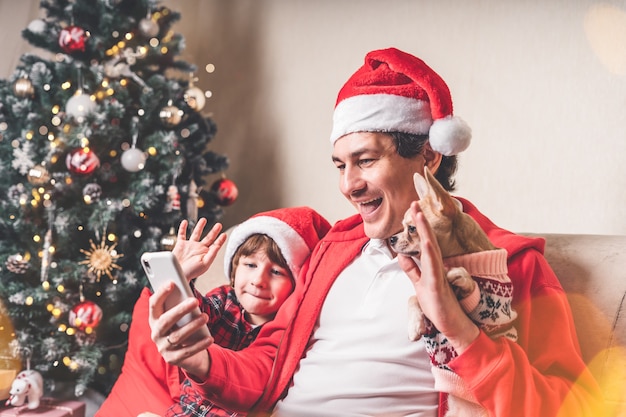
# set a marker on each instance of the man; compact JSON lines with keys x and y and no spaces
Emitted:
{"x":339,"y":346}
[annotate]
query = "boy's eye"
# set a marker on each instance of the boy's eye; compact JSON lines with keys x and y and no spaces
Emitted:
{"x":279,"y":272}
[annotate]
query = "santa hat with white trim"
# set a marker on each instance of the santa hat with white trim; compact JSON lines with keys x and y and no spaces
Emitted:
{"x":397,"y":92}
{"x":296,"y":231}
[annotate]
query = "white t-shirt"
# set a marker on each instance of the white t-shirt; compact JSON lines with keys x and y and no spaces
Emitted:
{"x":359,"y":361}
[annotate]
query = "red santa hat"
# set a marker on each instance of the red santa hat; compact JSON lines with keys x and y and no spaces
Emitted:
{"x":296,"y":231}
{"x":397,"y":92}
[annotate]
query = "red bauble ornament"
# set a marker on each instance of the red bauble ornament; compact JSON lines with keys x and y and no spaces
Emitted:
{"x":72,"y":39}
{"x":86,"y":314}
{"x":82,"y":161}
{"x":226,"y":191}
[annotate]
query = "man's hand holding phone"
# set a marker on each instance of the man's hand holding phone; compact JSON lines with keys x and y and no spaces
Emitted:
{"x":179,"y":330}
{"x":177,"y":344}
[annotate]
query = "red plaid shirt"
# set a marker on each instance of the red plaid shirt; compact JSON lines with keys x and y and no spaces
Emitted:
{"x":230,"y":329}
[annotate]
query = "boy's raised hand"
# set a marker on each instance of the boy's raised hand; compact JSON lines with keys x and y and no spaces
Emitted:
{"x":196,"y":254}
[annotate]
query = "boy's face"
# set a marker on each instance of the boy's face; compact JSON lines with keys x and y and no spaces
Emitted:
{"x":376,"y":180}
{"x":261,"y":286}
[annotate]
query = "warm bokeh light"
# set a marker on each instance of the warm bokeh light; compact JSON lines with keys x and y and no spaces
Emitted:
{"x":605,"y":26}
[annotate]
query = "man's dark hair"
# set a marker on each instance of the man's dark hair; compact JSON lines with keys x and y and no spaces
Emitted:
{"x":409,"y":145}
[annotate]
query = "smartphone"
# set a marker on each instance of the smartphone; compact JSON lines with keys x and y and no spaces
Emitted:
{"x":162,"y":267}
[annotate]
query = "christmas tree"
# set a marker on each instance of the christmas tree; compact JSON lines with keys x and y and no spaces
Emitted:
{"x":103,"y":151}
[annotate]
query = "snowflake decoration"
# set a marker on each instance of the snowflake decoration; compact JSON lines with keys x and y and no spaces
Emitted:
{"x":17,"y":298}
{"x":101,"y":259}
{"x":131,"y":278}
{"x":21,"y":159}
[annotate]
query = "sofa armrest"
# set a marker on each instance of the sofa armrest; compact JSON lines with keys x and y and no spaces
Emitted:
{"x":592,"y":270}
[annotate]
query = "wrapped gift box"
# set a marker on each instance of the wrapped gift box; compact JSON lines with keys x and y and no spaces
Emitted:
{"x":48,"y":408}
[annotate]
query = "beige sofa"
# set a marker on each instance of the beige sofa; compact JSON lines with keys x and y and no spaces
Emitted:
{"x":592,"y":269}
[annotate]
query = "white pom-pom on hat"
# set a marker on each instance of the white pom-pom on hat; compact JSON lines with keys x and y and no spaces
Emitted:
{"x":449,"y":135}
{"x":397,"y":92}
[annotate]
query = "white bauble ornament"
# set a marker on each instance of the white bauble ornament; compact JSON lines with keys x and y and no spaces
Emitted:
{"x":133,"y":160}
{"x":80,"y":105}
{"x":148,"y":27}
{"x":37,"y":26}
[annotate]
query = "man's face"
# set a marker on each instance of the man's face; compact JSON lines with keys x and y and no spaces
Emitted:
{"x":376,"y":180}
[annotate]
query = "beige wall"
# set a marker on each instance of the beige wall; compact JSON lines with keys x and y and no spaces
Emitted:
{"x":541,"y":82}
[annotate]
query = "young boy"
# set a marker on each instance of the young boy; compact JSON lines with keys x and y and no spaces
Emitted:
{"x":262,"y":259}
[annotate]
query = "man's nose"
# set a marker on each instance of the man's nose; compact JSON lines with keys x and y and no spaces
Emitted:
{"x":351,"y":181}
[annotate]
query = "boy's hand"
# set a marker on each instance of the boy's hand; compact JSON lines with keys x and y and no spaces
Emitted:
{"x":196,"y":255}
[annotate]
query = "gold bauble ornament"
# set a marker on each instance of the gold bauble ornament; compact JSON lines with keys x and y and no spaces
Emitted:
{"x":38,"y":175}
{"x":23,"y":88}
{"x":169,"y":240}
{"x":170,"y":115}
